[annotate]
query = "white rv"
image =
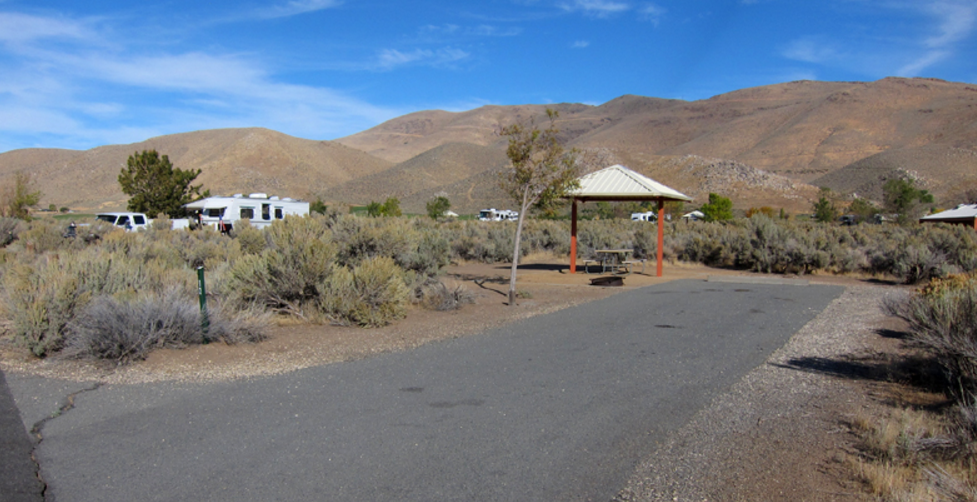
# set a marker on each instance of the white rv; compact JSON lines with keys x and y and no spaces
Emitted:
{"x":498,"y":215}
{"x":258,"y":208}
{"x":646,"y":216}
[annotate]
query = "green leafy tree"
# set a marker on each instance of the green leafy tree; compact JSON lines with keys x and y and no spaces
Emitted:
{"x":904,"y":198}
{"x":437,"y":206}
{"x":374,"y":209}
{"x":542,"y":171}
{"x":391,"y":207}
{"x":719,"y":208}
{"x":862,"y":209}
{"x":17,"y":200}
{"x":318,"y":207}
{"x":155,"y":186}
{"x":825,"y":210}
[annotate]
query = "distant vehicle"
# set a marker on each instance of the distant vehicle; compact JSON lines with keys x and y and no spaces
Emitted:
{"x":646,"y":216}
{"x":131,"y":222}
{"x":223,"y":213}
{"x":498,"y":215}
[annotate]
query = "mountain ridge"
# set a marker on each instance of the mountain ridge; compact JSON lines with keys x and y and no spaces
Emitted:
{"x":799,"y":134}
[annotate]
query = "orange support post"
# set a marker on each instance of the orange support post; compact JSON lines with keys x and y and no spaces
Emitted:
{"x":573,"y":238}
{"x":661,"y":233}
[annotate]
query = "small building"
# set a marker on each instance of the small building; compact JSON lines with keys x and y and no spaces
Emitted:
{"x":964,"y":214}
{"x":693,"y":216}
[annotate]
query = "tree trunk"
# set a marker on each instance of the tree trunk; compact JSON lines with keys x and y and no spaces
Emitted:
{"x":515,"y":251}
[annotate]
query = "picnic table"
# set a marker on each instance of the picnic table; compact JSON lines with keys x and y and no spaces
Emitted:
{"x":614,"y":261}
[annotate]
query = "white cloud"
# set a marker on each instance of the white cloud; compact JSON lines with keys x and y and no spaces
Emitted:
{"x":20,"y":28}
{"x":92,"y":92}
{"x":389,"y":59}
{"x":597,"y":8}
{"x":580,"y":44}
{"x":296,"y":7}
{"x":955,"y":21}
{"x":652,"y":12}
{"x":811,"y":50}
{"x":482,"y":30}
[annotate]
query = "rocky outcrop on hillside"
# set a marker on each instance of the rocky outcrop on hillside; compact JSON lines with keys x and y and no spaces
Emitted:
{"x":728,"y":176}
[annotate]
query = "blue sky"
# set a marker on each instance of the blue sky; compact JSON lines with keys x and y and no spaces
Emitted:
{"x":83,"y":74}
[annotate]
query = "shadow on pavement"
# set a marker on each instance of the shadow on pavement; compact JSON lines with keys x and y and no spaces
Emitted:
{"x":18,"y":473}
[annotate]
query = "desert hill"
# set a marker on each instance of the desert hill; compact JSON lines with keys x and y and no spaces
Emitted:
{"x":232,"y":161}
{"x":799,"y":130}
{"x":418,"y":179}
{"x":762,"y":146}
{"x":942,"y":169}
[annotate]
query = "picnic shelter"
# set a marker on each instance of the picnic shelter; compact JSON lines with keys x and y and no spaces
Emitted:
{"x":618,"y":183}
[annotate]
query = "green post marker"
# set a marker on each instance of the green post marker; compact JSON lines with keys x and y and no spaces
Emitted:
{"x":202,"y":289}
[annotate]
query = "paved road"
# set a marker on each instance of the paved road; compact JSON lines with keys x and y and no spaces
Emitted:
{"x":557,"y":407}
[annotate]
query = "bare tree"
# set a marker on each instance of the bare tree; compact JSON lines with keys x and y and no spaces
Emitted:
{"x":542,"y":171}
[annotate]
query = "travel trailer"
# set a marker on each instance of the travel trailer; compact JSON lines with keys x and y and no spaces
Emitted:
{"x":647,"y":216}
{"x":223,"y":213}
{"x":498,"y":215}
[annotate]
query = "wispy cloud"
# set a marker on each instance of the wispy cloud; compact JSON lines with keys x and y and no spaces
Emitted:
{"x":811,"y":50}
{"x":954,"y":21}
{"x":389,"y":59}
{"x":79,"y":94}
{"x":652,"y":12}
{"x":295,"y":7}
{"x":481,"y":30}
{"x":596,"y":8}
{"x":580,"y":44}
{"x":20,"y":28}
{"x":933,"y":34}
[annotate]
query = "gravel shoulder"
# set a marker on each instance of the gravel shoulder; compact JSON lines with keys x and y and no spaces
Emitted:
{"x":779,"y":433}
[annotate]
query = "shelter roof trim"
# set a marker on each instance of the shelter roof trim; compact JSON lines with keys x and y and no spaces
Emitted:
{"x":961,"y":212}
{"x":620,"y":183}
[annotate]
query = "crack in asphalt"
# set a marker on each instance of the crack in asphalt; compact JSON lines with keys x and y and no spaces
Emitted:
{"x":66,"y":406}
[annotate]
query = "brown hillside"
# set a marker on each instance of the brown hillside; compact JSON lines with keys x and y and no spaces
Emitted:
{"x":949,"y":172}
{"x":406,"y":137}
{"x":232,"y":161}
{"x":417,"y":180}
{"x":801,"y":130}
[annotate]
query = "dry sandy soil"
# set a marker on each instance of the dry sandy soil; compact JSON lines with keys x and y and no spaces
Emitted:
{"x":779,"y":434}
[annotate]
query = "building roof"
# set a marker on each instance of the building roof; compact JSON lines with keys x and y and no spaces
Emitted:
{"x":961,"y":212}
{"x":620,"y":183}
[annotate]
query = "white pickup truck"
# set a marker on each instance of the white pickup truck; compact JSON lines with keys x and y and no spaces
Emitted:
{"x":133,"y":222}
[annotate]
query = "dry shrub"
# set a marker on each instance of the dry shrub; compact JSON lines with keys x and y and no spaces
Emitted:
{"x":372,"y":294}
{"x":286,"y":277}
{"x":42,"y":294}
{"x":123,"y":331}
{"x":251,"y":239}
{"x":10,"y":228}
{"x":943,"y":322}
{"x":439,"y":296}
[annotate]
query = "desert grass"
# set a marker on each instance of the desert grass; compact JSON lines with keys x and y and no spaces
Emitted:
{"x":929,"y":452}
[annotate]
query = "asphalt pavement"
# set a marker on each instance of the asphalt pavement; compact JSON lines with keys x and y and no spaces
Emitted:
{"x":556,"y":407}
